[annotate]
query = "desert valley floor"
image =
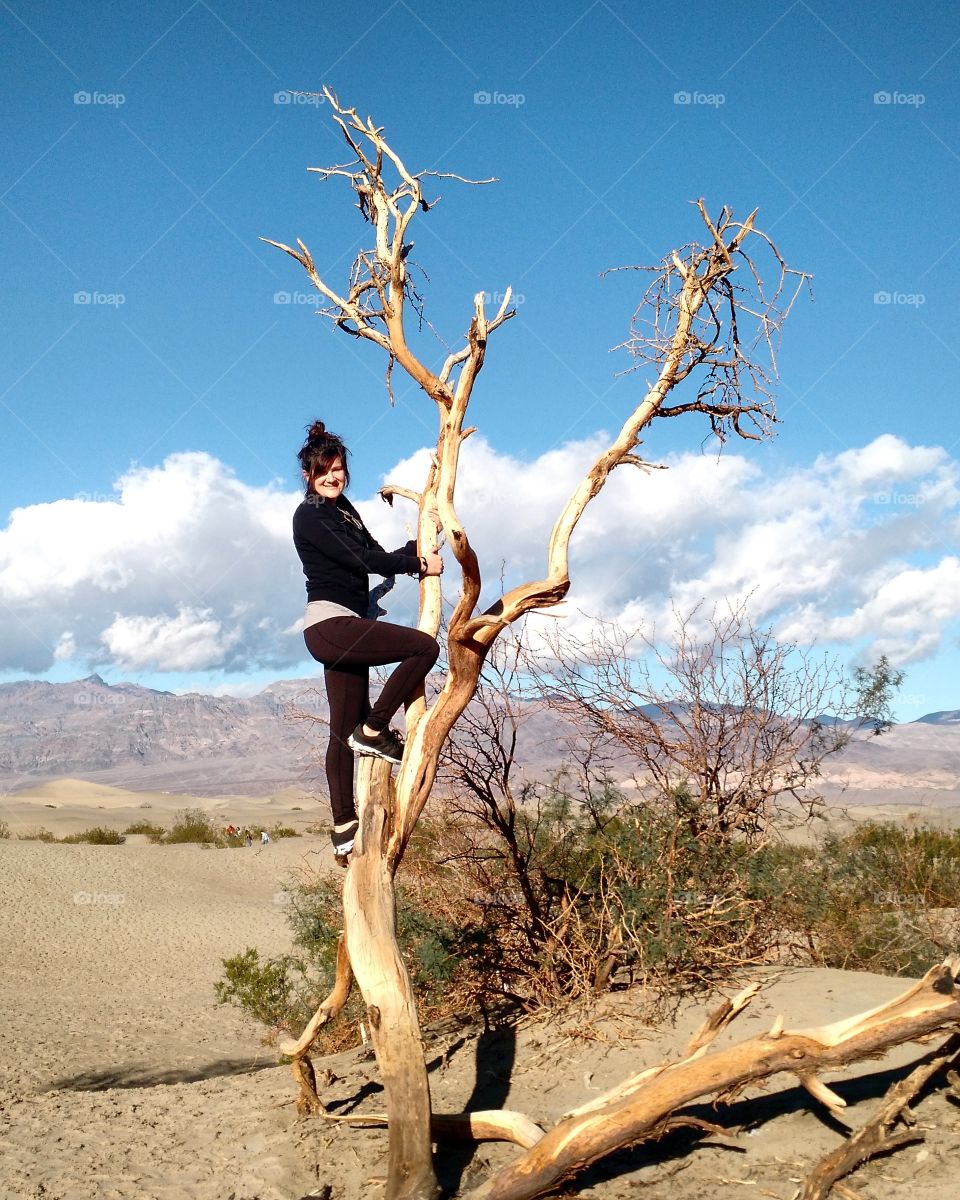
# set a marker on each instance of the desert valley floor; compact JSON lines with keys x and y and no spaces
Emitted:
{"x":120,"y":1079}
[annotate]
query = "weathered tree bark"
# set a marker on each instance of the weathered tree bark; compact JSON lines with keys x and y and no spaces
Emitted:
{"x":370,"y":914}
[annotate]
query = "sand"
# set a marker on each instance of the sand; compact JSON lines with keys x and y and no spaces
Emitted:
{"x":120,"y":1078}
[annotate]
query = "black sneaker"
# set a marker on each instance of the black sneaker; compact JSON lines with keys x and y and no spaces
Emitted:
{"x":386,"y":744}
{"x":343,"y":839}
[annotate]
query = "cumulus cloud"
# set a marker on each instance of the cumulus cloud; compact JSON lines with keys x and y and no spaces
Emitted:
{"x":192,"y":640}
{"x":186,"y":568}
{"x":183,"y":567}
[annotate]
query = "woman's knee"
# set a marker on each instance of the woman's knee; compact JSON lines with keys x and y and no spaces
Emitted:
{"x":428,"y":648}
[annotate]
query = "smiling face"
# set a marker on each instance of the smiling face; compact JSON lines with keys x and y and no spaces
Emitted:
{"x":330,"y":480}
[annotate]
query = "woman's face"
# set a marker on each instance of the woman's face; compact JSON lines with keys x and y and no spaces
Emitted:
{"x":328,"y":484}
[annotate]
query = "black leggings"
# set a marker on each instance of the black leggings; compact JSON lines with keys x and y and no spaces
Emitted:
{"x":348,"y":647}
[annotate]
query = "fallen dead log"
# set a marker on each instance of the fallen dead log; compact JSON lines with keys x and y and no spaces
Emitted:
{"x":643,"y":1106}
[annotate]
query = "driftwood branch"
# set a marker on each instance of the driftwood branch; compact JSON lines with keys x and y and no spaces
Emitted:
{"x":631,"y":1112}
{"x":297,"y":1049}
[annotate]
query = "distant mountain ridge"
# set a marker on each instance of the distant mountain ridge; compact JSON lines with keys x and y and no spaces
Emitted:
{"x":950,"y":716}
{"x":129,"y":736}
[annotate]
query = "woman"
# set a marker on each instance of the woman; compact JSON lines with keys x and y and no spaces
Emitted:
{"x":338,"y":555}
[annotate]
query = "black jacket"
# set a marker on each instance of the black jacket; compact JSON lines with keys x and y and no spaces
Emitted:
{"x":338,"y":555}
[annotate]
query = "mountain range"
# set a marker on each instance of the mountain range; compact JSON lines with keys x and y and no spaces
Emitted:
{"x":129,"y":736}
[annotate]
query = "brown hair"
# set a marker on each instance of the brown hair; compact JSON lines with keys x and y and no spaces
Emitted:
{"x":318,"y":452}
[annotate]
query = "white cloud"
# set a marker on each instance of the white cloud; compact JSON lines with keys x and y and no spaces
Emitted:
{"x":905,"y":618}
{"x":139,"y":577}
{"x":192,"y":640}
{"x":186,"y":568}
{"x":888,"y":459}
{"x":856,"y":547}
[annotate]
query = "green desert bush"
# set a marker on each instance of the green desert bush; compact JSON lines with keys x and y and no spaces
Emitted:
{"x":878,"y":898}
{"x":571,"y":895}
{"x":574,"y":895}
{"x":4,"y":830}
{"x":153,"y":831}
{"x":277,"y":992}
{"x":98,"y":836}
{"x":194,"y":825}
{"x":283,"y":992}
{"x":36,"y":835}
{"x":282,"y":831}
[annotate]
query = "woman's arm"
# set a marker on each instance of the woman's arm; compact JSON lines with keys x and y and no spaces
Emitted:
{"x":324,"y":530}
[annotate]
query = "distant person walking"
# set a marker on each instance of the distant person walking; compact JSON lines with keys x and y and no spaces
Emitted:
{"x":264,"y":838}
{"x":339,"y":554}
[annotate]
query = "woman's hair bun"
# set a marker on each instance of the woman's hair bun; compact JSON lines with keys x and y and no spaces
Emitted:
{"x":316,"y":430}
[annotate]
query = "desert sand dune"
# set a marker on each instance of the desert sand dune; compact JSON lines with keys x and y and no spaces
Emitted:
{"x":120,"y":1079}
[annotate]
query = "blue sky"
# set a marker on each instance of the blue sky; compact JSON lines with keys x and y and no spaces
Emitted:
{"x":161,"y":362}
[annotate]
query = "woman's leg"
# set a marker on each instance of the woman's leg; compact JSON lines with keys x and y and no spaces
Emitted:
{"x":349,"y":702}
{"x":342,"y":642}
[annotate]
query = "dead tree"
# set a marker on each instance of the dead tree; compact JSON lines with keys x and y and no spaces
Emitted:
{"x":733,"y":721}
{"x":706,"y":310}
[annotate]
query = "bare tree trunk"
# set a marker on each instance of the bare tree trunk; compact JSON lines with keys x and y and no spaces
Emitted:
{"x":370,"y":912}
